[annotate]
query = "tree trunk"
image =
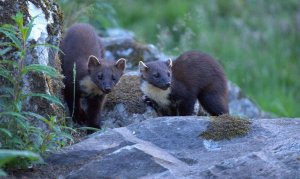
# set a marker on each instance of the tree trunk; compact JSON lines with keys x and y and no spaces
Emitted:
{"x":47,"y":30}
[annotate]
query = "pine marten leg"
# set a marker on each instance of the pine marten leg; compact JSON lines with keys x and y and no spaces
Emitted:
{"x":186,"y":107}
{"x":214,"y":104}
{"x":94,"y":111}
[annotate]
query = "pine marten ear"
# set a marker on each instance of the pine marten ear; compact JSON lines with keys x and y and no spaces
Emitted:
{"x":93,"y":62}
{"x":143,"y":66}
{"x":169,"y":63}
{"x":121,"y":64}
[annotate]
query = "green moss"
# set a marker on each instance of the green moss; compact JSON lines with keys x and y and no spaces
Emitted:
{"x":226,"y":127}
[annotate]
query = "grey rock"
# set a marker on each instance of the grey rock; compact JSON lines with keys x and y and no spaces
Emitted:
{"x":170,"y":147}
{"x":241,"y":105}
{"x":122,"y":44}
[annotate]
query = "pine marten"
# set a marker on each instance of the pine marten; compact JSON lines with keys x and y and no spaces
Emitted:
{"x":94,"y":78}
{"x":175,"y":86}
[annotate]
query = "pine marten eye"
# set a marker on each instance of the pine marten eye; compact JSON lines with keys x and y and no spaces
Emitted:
{"x":169,"y":74}
{"x":100,"y":76}
{"x":156,"y":75}
{"x":113,"y":78}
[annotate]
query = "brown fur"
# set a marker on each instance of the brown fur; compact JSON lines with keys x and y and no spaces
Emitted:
{"x":194,"y":76}
{"x":95,"y":77}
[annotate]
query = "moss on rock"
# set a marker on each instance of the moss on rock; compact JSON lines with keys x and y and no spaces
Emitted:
{"x":226,"y":127}
{"x":128,"y":93}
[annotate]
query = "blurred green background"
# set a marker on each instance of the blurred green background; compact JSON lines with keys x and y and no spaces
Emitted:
{"x":256,"y":41}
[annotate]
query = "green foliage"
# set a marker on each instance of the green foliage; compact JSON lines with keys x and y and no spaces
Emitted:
{"x":7,"y":156}
{"x":99,"y":13}
{"x":21,"y":129}
{"x":257,"y":42}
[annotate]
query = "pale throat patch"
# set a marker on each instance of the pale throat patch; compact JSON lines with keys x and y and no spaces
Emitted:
{"x":88,"y":87}
{"x":161,"y":97}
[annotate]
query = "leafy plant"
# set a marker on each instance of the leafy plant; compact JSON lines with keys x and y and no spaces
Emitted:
{"x":8,"y":155}
{"x":17,"y":126}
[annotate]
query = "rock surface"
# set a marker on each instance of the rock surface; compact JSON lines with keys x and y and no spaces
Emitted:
{"x":170,"y":147}
{"x":122,"y":44}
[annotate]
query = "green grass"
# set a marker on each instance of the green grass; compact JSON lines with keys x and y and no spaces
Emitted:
{"x":256,"y":41}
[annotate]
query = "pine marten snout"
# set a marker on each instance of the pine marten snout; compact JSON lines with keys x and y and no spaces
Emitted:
{"x":105,"y":75}
{"x":157,"y":74}
{"x":174,"y":87}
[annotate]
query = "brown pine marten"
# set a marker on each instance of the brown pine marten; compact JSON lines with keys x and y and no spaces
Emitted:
{"x":174,"y":87}
{"x":94,"y":78}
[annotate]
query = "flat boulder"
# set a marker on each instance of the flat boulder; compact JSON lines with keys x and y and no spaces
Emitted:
{"x":170,"y":147}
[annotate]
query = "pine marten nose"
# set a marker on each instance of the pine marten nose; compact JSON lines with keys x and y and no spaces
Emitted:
{"x":168,"y":84}
{"x":107,"y":89}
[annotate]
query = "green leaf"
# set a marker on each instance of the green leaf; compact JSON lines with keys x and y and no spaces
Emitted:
{"x":10,"y":62}
{"x":14,"y":114}
{"x":45,"y":45}
{"x":48,"y":70}
{"x":3,"y":44}
{"x":5,"y":96}
{"x":10,"y":28}
{"x":68,"y":128}
{"x":48,"y":97}
{"x":4,"y":51}
{"x":6,"y":74}
{"x":18,"y":18}
{"x":37,"y":116}
{"x":5,"y":131}
{"x":6,"y":91}
{"x":29,"y":27}
{"x":8,"y":155}
{"x":24,"y":32}
{"x":18,"y":117}
{"x":12,"y":37}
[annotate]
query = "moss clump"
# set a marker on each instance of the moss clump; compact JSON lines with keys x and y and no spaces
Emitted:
{"x":128,"y":93}
{"x":226,"y":127}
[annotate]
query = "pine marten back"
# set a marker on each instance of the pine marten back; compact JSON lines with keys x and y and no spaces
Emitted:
{"x":94,"y":77}
{"x":175,"y":86}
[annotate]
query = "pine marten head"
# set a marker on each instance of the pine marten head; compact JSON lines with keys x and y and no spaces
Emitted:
{"x":157,"y":73}
{"x":105,"y":74}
